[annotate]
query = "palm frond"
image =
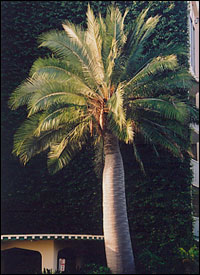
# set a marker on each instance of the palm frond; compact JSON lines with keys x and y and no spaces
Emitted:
{"x":52,"y":91}
{"x":113,"y":38}
{"x":117,"y":116}
{"x":41,"y":88}
{"x":142,"y":59}
{"x":94,"y":43}
{"x":154,"y":135}
{"x":61,"y":69}
{"x":138,"y":34}
{"x":61,"y":153}
{"x":154,"y":85}
{"x":27,"y":144}
{"x":115,"y":106}
{"x":138,"y":158}
{"x":22,"y":94}
{"x":129,"y":131}
{"x":67,"y":44}
{"x":142,"y":30}
{"x":194,"y":114}
{"x":99,"y":79}
{"x":158,"y":64}
{"x":24,"y":132}
{"x":59,"y":114}
{"x":52,"y":68}
{"x":166,"y":107}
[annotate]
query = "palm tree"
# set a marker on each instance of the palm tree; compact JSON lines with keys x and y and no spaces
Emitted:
{"x":98,"y":83}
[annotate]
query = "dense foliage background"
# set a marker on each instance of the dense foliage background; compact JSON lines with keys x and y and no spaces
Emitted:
{"x":159,"y":205}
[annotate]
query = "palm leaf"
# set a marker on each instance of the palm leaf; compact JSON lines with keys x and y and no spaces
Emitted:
{"x":59,"y":114}
{"x":61,"y":153}
{"x":55,"y":92}
{"x":99,"y":79}
{"x":113,"y":38}
{"x":94,"y":43}
{"x":115,"y":106}
{"x":158,"y":64}
{"x":168,"y":109}
{"x":27,"y":144}
{"x":22,"y":94}
{"x":61,"y":69}
{"x":140,"y":34}
{"x":154,"y":85}
{"x":139,"y":59}
{"x":154,"y":136}
{"x":138,"y":158}
{"x":66,"y":47}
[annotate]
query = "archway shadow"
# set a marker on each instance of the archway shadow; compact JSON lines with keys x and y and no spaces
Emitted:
{"x":20,"y":261}
{"x":81,"y":253}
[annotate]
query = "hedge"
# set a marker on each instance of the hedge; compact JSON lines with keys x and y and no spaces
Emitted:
{"x":159,"y":205}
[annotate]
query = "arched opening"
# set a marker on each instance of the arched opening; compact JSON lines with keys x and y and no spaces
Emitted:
{"x":69,"y":257}
{"x":20,"y":261}
{"x":79,"y":253}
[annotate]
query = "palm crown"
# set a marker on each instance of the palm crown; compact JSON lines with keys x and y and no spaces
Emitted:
{"x":99,"y":79}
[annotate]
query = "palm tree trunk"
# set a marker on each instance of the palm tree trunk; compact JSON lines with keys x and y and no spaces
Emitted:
{"x":118,"y":246}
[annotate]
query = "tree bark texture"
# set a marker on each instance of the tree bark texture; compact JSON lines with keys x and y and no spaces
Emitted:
{"x":118,"y":246}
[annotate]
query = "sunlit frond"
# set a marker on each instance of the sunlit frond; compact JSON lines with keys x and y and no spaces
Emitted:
{"x":100,"y":79}
{"x":68,"y":43}
{"x":115,"y":106}
{"x":51,"y":92}
{"x":113,"y":38}
{"x":61,"y":69}
{"x":117,"y":116}
{"x":27,"y":145}
{"x":59,"y":114}
{"x":61,"y":153}
{"x":129,"y":132}
{"x":22,"y":94}
{"x":94,"y":42}
{"x":140,"y":30}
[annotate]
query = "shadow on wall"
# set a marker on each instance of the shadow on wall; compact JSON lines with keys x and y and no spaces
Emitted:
{"x":20,"y":261}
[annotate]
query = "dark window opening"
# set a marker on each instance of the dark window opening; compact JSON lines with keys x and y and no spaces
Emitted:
{"x":195,"y":201}
{"x":194,"y":151}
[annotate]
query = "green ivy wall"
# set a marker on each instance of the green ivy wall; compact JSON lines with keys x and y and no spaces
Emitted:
{"x":159,"y":205}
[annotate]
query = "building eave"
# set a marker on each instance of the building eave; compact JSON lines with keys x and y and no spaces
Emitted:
{"x":50,"y":237}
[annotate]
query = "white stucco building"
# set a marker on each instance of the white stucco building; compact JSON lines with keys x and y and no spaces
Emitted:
{"x":46,"y":250}
{"x":194,"y":94}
